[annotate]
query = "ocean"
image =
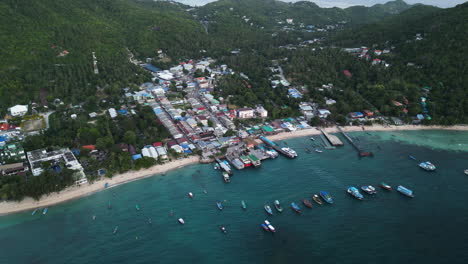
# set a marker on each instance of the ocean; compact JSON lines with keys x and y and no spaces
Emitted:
{"x":385,"y":228}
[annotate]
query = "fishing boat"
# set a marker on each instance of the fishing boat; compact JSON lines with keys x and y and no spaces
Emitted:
{"x":223,"y":229}
{"x":137,"y":207}
{"x":369,"y":189}
{"x":326,"y":197}
{"x":190,"y":195}
{"x":405,"y":191}
{"x":226,"y":177}
{"x":34,"y":212}
{"x":243,"y":204}
{"x":355,"y":193}
{"x":150,"y":221}
{"x":270,"y":227}
{"x":307,"y":203}
{"x":316,"y":198}
{"x":115,"y":230}
{"x":45,"y":211}
{"x":278,"y":206}
{"x":318,"y":150}
{"x":412,"y":157}
{"x":219,"y":204}
{"x":268,"y":209}
{"x":385,"y":186}
{"x":265,"y":227}
{"x":181,"y":221}
{"x":94,"y":217}
{"x":312,"y":138}
{"x":109,"y":206}
{"x":295,"y":207}
{"x":205,"y":192}
{"x":426,"y":165}
{"x":466,"y":172}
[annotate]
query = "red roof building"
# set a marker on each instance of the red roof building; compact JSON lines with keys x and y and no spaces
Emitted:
{"x":347,"y":73}
{"x":157,"y":144}
{"x":89,"y":147}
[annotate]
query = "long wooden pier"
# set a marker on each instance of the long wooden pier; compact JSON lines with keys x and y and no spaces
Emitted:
{"x":360,"y":151}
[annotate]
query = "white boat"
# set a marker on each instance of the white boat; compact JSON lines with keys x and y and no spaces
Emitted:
{"x":115,"y":229}
{"x":318,"y":150}
{"x":290,"y":152}
{"x":190,"y":195}
{"x":466,"y":172}
{"x":427,"y":166}
{"x":181,"y":221}
{"x":270,"y":227}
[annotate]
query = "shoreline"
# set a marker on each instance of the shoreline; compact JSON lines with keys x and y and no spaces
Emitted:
{"x":77,"y":192}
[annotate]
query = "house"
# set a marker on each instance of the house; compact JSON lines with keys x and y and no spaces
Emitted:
{"x":324,"y":113}
{"x":261,"y":112}
{"x":368,"y":113}
{"x":245,"y":113}
{"x":377,"y":52}
{"x":19,"y":168}
{"x":18,"y":110}
{"x":356,"y":115}
{"x":289,"y":20}
{"x":376,"y":61}
{"x":347,"y":73}
{"x":330,"y":102}
{"x":112,"y":112}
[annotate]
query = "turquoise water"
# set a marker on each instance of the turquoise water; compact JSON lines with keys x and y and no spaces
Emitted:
{"x":386,"y":228}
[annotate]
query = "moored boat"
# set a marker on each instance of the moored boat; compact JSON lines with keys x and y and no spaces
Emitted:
{"x":278,"y":206}
{"x":268,"y":209}
{"x":223,"y":229}
{"x":265,"y":227}
{"x":190,"y":195}
{"x":226,"y":177}
{"x":312,"y":138}
{"x":426,"y":165}
{"x":290,"y":153}
{"x":181,"y":221}
{"x":243,"y":204}
{"x":326,"y":197}
{"x":307,"y":203}
{"x":34,"y":212}
{"x":295,"y":207}
{"x":405,"y":191}
{"x":219,"y":204}
{"x":385,"y":186}
{"x":270,"y":227}
{"x":45,"y":211}
{"x":355,"y":193}
{"x":369,"y":189}
{"x":316,"y":198}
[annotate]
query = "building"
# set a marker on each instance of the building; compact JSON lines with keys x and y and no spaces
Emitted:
{"x":324,"y":113}
{"x":12,"y":152}
{"x":245,"y":113}
{"x":19,"y":168}
{"x":261,"y":112}
{"x":18,"y":110}
{"x":38,"y":158}
{"x":112,"y":112}
{"x":330,"y":102}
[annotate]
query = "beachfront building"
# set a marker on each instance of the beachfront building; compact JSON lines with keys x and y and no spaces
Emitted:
{"x":18,"y":110}
{"x":19,"y":168}
{"x":39,"y":158}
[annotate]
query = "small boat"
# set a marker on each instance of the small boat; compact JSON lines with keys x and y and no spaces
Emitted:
{"x":355,"y":193}
{"x":223,"y":229}
{"x":466,"y":172}
{"x":307,"y":203}
{"x":172,"y":213}
{"x":278,"y":206}
{"x":216,"y":167}
{"x":426,"y":165}
{"x":45,"y":211}
{"x":243,"y":204}
{"x":226,"y":177}
{"x":316,"y":198}
{"x":34,"y":212}
{"x":150,"y":221}
{"x":326,"y":197}
{"x":109,"y":206}
{"x":190,"y":195}
{"x":318,"y":150}
{"x":312,"y":138}
{"x":405,"y":191}
{"x":137,"y":207}
{"x":412,"y":157}
{"x":205,"y":192}
{"x":369,"y":189}
{"x":94,"y":217}
{"x":307,"y":150}
{"x":270,"y":227}
{"x":385,"y":186}
{"x":265,"y":227}
{"x":220,"y":205}
{"x":268,"y":209}
{"x":181,"y":221}
{"x":295,"y":207}
{"x":115,"y":230}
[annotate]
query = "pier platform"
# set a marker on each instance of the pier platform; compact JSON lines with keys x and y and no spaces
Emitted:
{"x":334,"y":140}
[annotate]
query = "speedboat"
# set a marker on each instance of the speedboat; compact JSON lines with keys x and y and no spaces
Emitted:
{"x":355,"y":193}
{"x":426,"y":165}
{"x":115,"y":229}
{"x":405,"y":191}
{"x":295,"y":207}
{"x":223,"y":229}
{"x":45,"y":211}
{"x":226,"y":177}
{"x":268,"y":209}
{"x":318,"y":150}
{"x":137,"y":207}
{"x":316,"y":198}
{"x":243,"y":204}
{"x":150,"y":221}
{"x":220,"y":205}
{"x":327,"y":197}
{"x":278,"y":206}
{"x":94,"y":217}
{"x":190,"y":195}
{"x":307,"y":203}
{"x":265,"y":227}
{"x":368,"y":189}
{"x":181,"y":221}
{"x":311,"y":138}
{"x":385,"y":186}
{"x":270,"y":227}
{"x":34,"y":212}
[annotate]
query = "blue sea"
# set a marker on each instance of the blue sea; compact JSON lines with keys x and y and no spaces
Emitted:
{"x":385,"y":228}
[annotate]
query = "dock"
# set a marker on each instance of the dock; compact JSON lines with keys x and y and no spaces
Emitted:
{"x":326,"y":143}
{"x":224,"y":166}
{"x":334,"y":140}
{"x":360,"y":151}
{"x":276,"y":147}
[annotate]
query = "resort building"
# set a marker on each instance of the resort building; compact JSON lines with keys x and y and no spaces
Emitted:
{"x":38,"y":158}
{"x":18,"y":110}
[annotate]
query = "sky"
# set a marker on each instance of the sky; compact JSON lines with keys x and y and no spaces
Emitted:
{"x":347,"y":3}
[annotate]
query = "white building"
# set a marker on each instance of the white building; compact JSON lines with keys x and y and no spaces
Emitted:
{"x":244,"y":113}
{"x":18,"y":110}
{"x":36,"y":158}
{"x":162,"y":152}
{"x":324,"y":113}
{"x":262,"y":112}
{"x":112,"y":112}
{"x":330,"y":102}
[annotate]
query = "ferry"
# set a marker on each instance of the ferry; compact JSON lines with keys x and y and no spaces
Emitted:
{"x":268,"y":209}
{"x":385,"y":186}
{"x":427,"y":166}
{"x":190,"y":195}
{"x":219,"y":204}
{"x":326,"y":197}
{"x":278,"y":206}
{"x":290,"y":152}
{"x":369,"y":189}
{"x":316,"y":199}
{"x":137,"y":207}
{"x":295,"y":207}
{"x":226,"y":177}
{"x":223,"y":229}
{"x":115,"y":230}
{"x":45,"y":211}
{"x":270,"y":227}
{"x":265,"y":227}
{"x":307,"y":203}
{"x":243,"y":204}
{"x":405,"y":191}
{"x":355,"y":193}
{"x":181,"y":221}
{"x":34,"y":212}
